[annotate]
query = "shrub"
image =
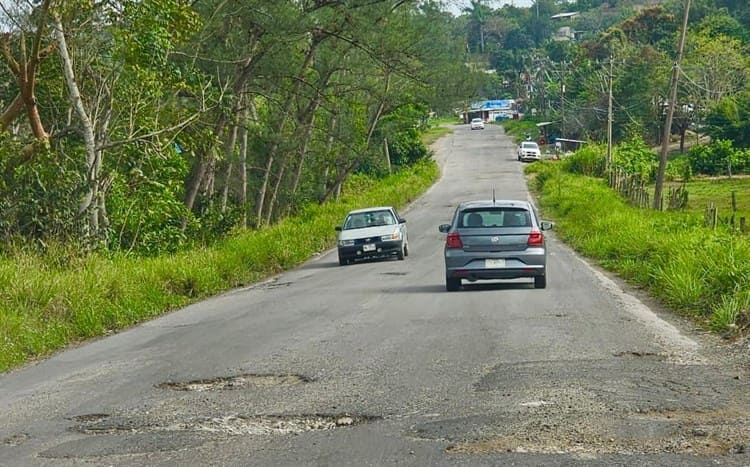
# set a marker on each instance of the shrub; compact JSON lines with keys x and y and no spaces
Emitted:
{"x":590,"y":160}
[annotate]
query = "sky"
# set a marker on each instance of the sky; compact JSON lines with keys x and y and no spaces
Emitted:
{"x":455,"y":6}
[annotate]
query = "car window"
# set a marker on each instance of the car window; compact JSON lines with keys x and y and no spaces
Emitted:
{"x":361,"y":220}
{"x":530,"y":146}
{"x":494,"y":217}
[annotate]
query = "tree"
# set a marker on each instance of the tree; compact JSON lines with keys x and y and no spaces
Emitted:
{"x":24,"y":64}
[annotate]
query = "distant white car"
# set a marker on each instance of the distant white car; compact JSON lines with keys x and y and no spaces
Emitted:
{"x":477,"y":124}
{"x":529,"y":151}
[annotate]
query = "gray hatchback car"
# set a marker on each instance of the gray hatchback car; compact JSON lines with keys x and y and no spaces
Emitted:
{"x":501,"y":239}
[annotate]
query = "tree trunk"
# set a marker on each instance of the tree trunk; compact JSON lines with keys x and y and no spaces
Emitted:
{"x":11,"y":113}
{"x":25,"y":73}
{"x":204,"y":164}
{"x":283,"y":121}
{"x":229,"y":155}
{"x":92,"y":201}
{"x":381,"y":107}
{"x":243,"y":168}
{"x":329,"y":145}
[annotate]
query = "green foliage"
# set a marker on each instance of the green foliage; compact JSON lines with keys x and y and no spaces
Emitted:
{"x":719,"y":158}
{"x":730,"y":119}
{"x":589,"y":160}
{"x":635,"y":158}
{"x":145,"y":203}
{"x":678,"y":168}
{"x":406,"y":148}
{"x":38,"y":197}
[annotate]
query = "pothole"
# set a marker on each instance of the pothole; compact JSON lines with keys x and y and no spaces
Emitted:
{"x":235,"y":382}
{"x":274,"y":424}
{"x":683,"y":432}
{"x":637,"y":354}
{"x":230,"y":424}
{"x":89,"y":417}
{"x":16,"y":440}
{"x":273,"y":284}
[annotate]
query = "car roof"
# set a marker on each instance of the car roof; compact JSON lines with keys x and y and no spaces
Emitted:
{"x":488,"y":203}
{"x":375,"y":208}
{"x":476,"y":119}
{"x":529,"y":143}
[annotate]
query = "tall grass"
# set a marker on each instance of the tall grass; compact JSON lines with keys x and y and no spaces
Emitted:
{"x":696,"y":270}
{"x":49,"y":302}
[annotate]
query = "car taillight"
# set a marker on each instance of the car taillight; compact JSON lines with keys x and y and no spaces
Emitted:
{"x":453,"y":240}
{"x":536,"y":238}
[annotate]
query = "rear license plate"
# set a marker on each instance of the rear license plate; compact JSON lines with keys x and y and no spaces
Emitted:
{"x":494,"y":263}
{"x":368,"y":247}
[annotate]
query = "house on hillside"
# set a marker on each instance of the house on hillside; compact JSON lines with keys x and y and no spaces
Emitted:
{"x":565,"y":33}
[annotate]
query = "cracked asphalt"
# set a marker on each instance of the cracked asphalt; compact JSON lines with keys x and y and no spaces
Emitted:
{"x":375,"y":364}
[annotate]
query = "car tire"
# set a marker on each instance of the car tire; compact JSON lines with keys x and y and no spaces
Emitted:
{"x":401,"y":253}
{"x":540,"y":282}
{"x":343,"y":261}
{"x":452,"y":284}
{"x":406,"y":249}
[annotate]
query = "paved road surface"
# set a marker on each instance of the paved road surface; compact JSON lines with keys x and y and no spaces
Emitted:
{"x":375,"y":364}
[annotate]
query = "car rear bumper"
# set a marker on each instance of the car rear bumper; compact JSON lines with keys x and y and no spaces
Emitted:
{"x":490,"y":274}
{"x":462,"y":265}
{"x":530,"y":157}
{"x":380,"y":249}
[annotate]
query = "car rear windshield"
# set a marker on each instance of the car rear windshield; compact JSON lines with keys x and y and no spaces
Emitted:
{"x":494,"y":217}
{"x":530,"y":146}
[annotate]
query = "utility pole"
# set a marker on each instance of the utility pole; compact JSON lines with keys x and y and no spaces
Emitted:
{"x":670,"y":114}
{"x":562,"y":100}
{"x":609,"y":118}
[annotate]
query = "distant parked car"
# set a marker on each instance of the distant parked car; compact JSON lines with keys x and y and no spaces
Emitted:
{"x":495,"y":240}
{"x":529,"y":151}
{"x":372,"y":233}
{"x":477,"y":124}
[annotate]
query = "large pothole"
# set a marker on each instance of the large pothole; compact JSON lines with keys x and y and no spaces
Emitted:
{"x":235,"y":382}
{"x":227,"y":424}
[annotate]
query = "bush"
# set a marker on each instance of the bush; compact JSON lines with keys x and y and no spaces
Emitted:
{"x":590,"y":160}
{"x":719,"y":158}
{"x":635,"y":159}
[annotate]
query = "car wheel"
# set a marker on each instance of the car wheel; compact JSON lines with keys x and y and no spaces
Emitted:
{"x":540,"y":282}
{"x":343,"y":261}
{"x":452,"y":284}
{"x":402,"y":252}
{"x":406,"y":249}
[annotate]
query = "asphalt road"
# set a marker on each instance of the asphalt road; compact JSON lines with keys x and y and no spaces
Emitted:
{"x":375,"y":364}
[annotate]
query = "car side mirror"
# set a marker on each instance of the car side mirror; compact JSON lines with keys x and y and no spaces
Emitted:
{"x":401,"y":220}
{"x":546,"y":225}
{"x":445,"y":228}
{"x":338,"y":228}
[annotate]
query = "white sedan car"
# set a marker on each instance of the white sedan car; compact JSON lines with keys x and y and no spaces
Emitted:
{"x":477,"y":124}
{"x":375,"y":232}
{"x":529,"y":151}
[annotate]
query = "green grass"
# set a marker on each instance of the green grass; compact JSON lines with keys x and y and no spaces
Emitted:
{"x":718,"y":191}
{"x":694,"y":269}
{"x":438,"y":128}
{"x":47,"y":303}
